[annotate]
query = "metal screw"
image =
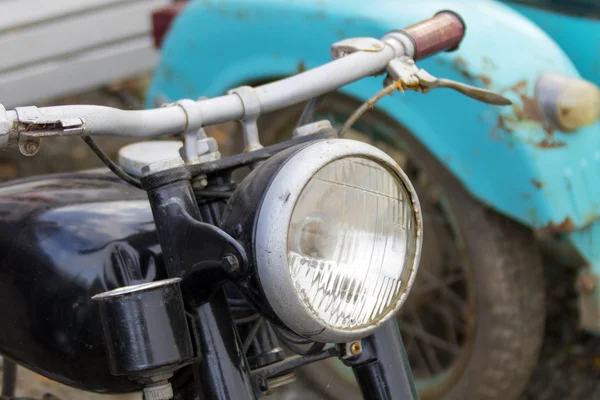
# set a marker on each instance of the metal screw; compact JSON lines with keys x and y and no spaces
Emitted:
{"x":29,"y":147}
{"x":231,"y":264}
{"x":356,"y":348}
{"x":160,"y":391}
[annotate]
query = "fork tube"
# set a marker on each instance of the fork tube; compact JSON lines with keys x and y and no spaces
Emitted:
{"x":382,"y":369}
{"x":222,"y":368}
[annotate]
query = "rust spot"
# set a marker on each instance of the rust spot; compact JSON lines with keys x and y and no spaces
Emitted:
{"x":530,"y":109}
{"x":461,"y":66}
{"x":460,"y":62}
{"x":550,"y":143}
{"x":301,"y":66}
{"x":538,"y":184}
{"x":565,"y":226}
{"x":501,"y":125}
{"x":486,"y":80}
{"x":519,"y":87}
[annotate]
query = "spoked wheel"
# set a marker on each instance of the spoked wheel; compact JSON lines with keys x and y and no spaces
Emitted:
{"x":473,"y":323}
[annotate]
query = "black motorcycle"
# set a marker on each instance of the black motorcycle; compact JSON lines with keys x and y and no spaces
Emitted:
{"x":163,"y":274}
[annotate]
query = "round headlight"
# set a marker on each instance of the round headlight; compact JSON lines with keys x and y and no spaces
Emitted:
{"x":336,"y":238}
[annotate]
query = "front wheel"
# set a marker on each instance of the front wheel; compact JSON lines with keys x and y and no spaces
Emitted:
{"x":473,"y":324}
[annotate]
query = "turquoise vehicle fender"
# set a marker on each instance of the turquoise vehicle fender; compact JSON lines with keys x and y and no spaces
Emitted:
{"x":504,"y":156}
{"x":576,"y":34}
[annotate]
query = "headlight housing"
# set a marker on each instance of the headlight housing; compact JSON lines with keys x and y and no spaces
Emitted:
{"x":333,"y":231}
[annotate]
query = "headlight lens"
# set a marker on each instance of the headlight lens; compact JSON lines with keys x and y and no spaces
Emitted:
{"x":351,"y":234}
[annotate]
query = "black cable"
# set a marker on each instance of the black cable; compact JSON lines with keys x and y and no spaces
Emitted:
{"x":111,"y":164}
{"x":297,"y":344}
{"x":308,"y":113}
{"x":247,"y":319}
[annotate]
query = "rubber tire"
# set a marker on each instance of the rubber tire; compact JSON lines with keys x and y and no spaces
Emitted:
{"x":508,"y":282}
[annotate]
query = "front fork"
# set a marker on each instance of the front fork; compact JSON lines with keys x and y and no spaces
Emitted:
{"x":382,"y":369}
{"x":222,"y":372}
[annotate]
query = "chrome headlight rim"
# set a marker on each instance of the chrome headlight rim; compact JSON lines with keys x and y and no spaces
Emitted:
{"x":271,"y":236}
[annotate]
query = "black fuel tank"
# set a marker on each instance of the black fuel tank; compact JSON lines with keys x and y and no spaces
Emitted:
{"x":63,"y":239}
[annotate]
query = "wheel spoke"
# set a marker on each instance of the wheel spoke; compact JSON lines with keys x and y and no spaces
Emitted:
{"x":450,"y":326}
{"x":449,"y":294}
{"x":438,"y":285}
{"x":429,"y":351}
{"x":433,"y":340}
{"x":420,"y":357}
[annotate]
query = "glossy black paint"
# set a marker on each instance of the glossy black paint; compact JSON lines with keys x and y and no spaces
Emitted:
{"x":9,"y":379}
{"x":146,"y":330}
{"x":382,"y":369}
{"x":223,"y":370}
{"x":63,"y":239}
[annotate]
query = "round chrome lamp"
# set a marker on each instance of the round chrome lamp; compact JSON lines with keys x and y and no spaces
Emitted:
{"x":333,"y":231}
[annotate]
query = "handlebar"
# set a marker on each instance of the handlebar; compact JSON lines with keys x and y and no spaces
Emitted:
{"x":442,"y":32}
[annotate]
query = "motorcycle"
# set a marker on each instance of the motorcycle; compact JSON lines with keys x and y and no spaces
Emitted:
{"x":165,"y":275}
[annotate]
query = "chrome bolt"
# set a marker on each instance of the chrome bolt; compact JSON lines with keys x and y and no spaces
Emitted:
{"x":231,"y":264}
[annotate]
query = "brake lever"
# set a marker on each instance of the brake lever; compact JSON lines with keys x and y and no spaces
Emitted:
{"x":404,"y":70}
{"x":429,"y":82}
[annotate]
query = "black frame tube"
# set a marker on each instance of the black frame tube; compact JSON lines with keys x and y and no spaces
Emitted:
{"x":382,"y":369}
{"x":222,"y":369}
{"x":9,"y":378}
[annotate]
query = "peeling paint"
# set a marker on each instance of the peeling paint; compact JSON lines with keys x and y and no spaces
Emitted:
{"x":461,"y":66}
{"x":567,"y":225}
{"x":550,"y":143}
{"x":538,"y":184}
{"x":301,"y":66}
{"x":528,"y":111}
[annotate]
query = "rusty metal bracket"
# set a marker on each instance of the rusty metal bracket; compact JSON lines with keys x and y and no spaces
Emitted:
{"x":32,"y":123}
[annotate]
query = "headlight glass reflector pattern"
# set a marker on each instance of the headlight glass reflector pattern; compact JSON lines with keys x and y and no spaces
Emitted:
{"x":352,"y":243}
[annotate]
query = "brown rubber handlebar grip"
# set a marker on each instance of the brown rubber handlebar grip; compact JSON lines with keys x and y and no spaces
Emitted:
{"x":443,"y":32}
